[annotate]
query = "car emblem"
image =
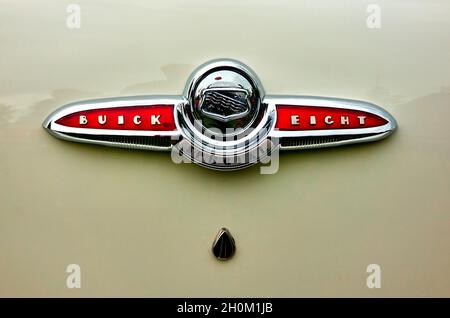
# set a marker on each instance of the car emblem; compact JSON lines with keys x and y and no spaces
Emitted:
{"x":224,"y":97}
{"x":222,"y":121}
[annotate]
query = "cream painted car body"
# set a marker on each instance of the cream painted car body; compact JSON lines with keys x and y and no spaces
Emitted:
{"x":140,"y":225}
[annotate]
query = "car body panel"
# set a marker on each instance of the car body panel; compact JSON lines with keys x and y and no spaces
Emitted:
{"x":140,"y":225}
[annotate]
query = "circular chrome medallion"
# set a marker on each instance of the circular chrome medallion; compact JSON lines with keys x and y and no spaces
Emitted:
{"x":224,"y":120}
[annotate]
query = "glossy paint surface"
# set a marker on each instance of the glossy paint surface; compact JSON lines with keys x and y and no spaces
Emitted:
{"x":140,"y":225}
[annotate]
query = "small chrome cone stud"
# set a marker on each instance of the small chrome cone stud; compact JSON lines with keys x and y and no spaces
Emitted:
{"x":224,"y":247}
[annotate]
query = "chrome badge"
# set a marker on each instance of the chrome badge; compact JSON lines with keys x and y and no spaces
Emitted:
{"x":224,"y":95}
{"x":222,"y":121}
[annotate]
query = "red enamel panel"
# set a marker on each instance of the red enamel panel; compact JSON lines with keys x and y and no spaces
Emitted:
{"x":154,"y":117}
{"x":292,"y":117}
